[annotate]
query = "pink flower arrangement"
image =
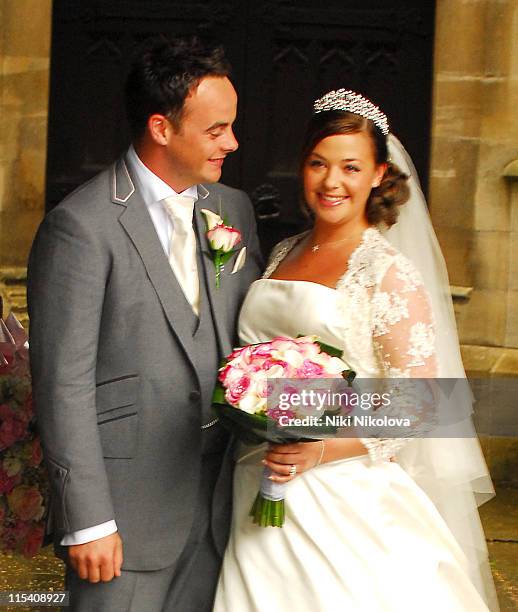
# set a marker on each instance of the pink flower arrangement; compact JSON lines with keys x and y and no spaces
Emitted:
{"x":23,"y":480}
{"x":245,"y":388}
{"x":244,"y":376}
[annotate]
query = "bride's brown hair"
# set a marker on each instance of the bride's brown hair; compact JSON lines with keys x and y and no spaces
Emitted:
{"x":384,"y":200}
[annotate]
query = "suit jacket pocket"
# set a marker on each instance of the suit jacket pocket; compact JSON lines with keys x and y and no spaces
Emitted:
{"x":117,"y":416}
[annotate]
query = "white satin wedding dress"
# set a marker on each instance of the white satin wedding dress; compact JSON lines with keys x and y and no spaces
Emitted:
{"x":360,"y":535}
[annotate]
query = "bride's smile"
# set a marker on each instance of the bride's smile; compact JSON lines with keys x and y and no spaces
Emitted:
{"x":330,"y":201}
{"x":339,"y":174}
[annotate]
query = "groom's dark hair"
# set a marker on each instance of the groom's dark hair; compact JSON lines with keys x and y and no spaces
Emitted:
{"x":163,"y":74}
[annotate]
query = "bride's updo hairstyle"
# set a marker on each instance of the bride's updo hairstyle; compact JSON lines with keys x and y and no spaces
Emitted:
{"x":384,"y":200}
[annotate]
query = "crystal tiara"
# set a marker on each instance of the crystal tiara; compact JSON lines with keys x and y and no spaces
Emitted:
{"x":352,"y":102}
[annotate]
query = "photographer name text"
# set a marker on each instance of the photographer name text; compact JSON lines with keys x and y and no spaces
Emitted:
{"x":362,"y":420}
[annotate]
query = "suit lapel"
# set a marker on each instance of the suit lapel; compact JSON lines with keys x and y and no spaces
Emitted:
{"x":217,"y":297}
{"x":138,"y":225}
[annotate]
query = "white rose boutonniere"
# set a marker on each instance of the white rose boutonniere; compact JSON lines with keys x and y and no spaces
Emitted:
{"x":222,"y":239}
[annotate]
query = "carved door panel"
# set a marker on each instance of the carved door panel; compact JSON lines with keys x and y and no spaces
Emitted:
{"x":297,"y":50}
{"x":284,"y":53}
{"x":92,"y":45}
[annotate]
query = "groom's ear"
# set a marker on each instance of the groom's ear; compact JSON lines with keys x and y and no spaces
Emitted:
{"x":159,"y":127}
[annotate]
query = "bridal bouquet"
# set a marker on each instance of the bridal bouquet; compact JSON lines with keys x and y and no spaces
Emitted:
{"x":248,"y":407}
{"x":23,"y":481}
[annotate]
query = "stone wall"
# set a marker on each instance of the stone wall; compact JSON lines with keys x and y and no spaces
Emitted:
{"x":24,"y":79}
{"x":475,"y":136}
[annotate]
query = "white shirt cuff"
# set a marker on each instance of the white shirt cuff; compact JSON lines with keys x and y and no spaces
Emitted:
{"x":89,"y":534}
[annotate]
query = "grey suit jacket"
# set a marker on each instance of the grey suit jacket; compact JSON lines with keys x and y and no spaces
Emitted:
{"x":116,"y":392}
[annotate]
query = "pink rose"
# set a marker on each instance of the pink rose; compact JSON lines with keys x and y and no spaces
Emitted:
{"x":260,"y":385}
{"x":261,"y":350}
{"x":223,"y":373}
{"x":308,"y":350}
{"x":33,"y":541}
{"x":269,"y":363}
{"x":235,"y":354}
{"x":223,"y":238}
{"x":236,"y":390}
{"x":277,"y":413}
{"x":231,"y":375}
{"x":26,"y":502}
{"x":333,"y":366}
{"x":269,"y":389}
{"x":246,"y":356}
{"x":277,"y":370}
{"x":291,"y":389}
{"x":282,"y":344}
{"x":309,"y":369}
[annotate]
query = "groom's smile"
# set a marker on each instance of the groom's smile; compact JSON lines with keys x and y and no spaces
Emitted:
{"x":198,"y":146}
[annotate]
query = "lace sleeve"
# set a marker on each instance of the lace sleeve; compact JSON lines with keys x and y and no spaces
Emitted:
{"x":404,"y":342}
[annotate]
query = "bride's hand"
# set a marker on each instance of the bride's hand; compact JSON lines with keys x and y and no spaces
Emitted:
{"x":281,"y":458}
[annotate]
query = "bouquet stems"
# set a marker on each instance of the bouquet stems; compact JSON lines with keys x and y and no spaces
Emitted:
{"x":268,"y":507}
{"x":217,"y":265}
{"x":266,"y":512}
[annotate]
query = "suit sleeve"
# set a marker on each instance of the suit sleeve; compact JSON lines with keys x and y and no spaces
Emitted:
{"x":67,"y":275}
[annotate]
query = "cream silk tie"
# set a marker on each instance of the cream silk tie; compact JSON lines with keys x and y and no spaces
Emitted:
{"x":182,"y":249}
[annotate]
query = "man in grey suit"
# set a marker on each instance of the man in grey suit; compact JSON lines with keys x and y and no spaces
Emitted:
{"x":126,"y":338}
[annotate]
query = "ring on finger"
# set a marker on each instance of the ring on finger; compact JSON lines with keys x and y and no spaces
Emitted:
{"x":293,"y":470}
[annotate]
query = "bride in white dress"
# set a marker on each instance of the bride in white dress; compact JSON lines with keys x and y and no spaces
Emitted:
{"x":360,"y":535}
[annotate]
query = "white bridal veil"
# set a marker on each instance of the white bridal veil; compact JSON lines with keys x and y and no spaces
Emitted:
{"x":449,"y":466}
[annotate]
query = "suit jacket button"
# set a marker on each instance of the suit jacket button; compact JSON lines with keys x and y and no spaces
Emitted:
{"x":195,"y":396}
